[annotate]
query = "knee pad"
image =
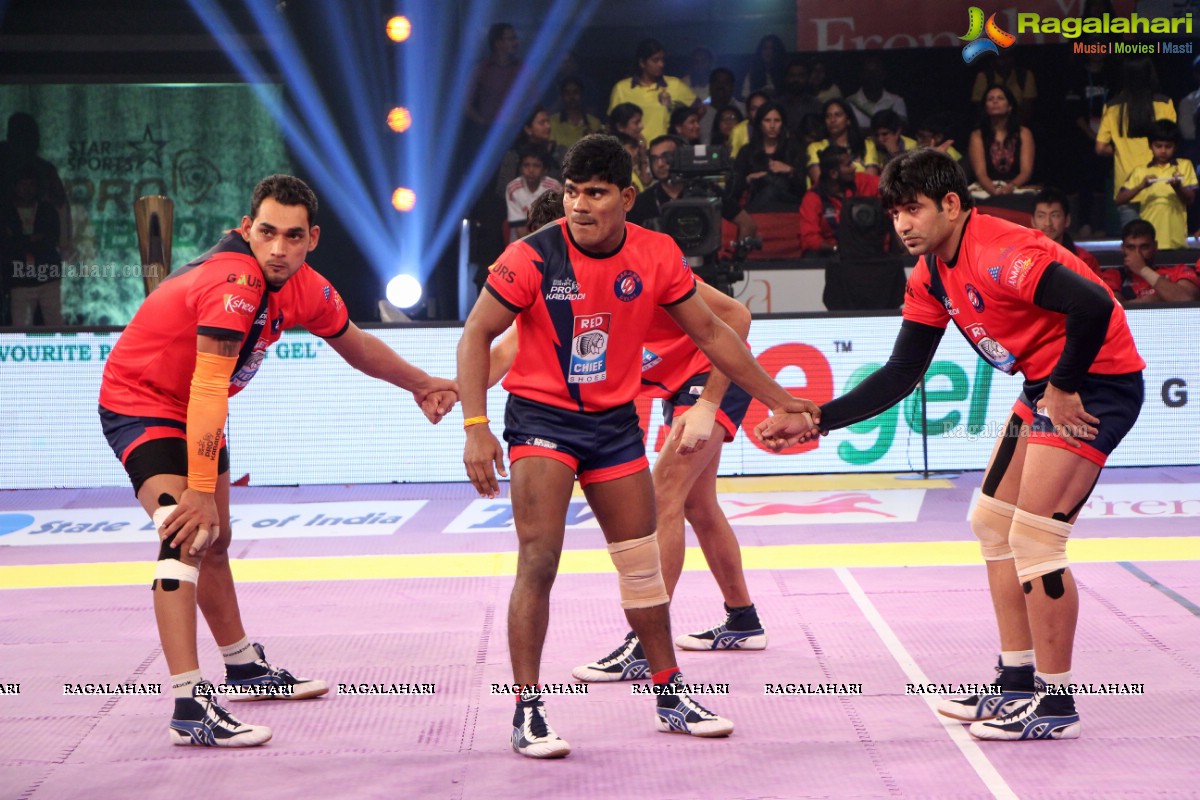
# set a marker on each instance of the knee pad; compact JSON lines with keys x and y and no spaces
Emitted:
{"x":640,"y":572}
{"x":991,"y":521}
{"x":1039,"y":547}
{"x":170,"y":569}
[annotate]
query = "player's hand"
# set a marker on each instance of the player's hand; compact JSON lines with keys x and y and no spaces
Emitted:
{"x":692,"y":429}
{"x":194,"y":523}
{"x":792,"y":423}
{"x":483,"y":457}
{"x":1071,"y":420}
{"x":435,"y":397}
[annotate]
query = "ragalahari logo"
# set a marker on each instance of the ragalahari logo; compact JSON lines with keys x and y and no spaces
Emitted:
{"x":994,"y":36}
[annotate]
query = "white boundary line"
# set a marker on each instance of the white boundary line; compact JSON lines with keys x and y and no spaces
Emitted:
{"x":958,"y":733}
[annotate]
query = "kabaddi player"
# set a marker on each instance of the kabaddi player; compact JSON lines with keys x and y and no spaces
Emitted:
{"x":197,"y":340}
{"x":584,"y":293}
{"x":1027,"y":305}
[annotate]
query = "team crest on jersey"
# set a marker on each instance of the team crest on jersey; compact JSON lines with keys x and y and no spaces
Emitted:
{"x":974,"y":297}
{"x":650,"y":359}
{"x":995,"y":353}
{"x":589,"y":348}
{"x":628,"y":286}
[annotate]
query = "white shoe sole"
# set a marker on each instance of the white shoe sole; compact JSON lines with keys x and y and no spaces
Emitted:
{"x":981,"y":731}
{"x":714,"y":729}
{"x":260,"y":734}
{"x":692,"y":643}
{"x":554,"y":749}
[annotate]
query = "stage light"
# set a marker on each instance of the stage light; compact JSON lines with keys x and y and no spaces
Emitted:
{"x":398,"y":28}
{"x":404,"y":291}
{"x":399,"y":119}
{"x":404,"y":199}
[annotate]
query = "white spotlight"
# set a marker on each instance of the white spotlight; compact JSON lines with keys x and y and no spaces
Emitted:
{"x":404,"y":291}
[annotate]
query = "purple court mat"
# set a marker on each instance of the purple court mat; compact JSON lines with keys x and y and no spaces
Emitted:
{"x":1139,"y":624}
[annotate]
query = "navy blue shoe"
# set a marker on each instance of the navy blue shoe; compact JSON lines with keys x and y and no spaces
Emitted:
{"x":258,"y":680}
{"x":200,"y":720}
{"x":1046,"y":716}
{"x":1012,"y":688}
{"x":626,"y":663}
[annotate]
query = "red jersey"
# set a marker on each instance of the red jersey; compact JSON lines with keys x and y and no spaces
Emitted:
{"x":669,"y":358}
{"x":223,"y":294}
{"x":988,"y":289}
{"x":582,"y":317}
{"x":1128,"y":286}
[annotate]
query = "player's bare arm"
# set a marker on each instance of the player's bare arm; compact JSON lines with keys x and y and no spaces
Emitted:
{"x":483,"y":455}
{"x":371,"y":356}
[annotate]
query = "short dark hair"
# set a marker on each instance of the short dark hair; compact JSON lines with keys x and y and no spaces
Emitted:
{"x":887,"y":120}
{"x":1050,"y":195}
{"x":531,"y":151}
{"x":831,"y":158}
{"x":666,"y":137}
{"x":722,"y":71}
{"x":286,"y":190}
{"x":496,"y":32}
{"x":622,"y":114}
{"x":1137,"y":228}
{"x":546,"y":208}
{"x":926,"y":172}
{"x":1164,"y":130}
{"x":601,"y":157}
{"x":680,"y":115}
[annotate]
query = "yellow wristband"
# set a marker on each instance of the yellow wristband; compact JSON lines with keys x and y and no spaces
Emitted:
{"x":469,"y":421}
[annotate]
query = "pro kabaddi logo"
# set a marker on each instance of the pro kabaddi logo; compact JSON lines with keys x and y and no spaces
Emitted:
{"x":994,"y":37}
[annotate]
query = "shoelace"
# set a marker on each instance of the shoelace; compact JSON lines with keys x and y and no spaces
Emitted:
{"x":215,"y":707}
{"x":537,"y":722}
{"x":691,"y":705}
{"x":618,"y":654}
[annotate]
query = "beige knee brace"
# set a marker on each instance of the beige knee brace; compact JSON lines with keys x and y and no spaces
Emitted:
{"x":640,"y":572}
{"x":1039,"y":544}
{"x":991,"y":520}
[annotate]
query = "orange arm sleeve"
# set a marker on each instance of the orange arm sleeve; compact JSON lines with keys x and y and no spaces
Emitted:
{"x":208,"y":406}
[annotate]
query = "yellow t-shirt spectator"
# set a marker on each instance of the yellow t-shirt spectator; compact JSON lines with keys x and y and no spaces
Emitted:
{"x":1160,"y":205}
{"x":655,"y":101}
{"x":860,"y":165}
{"x":1129,"y":153}
{"x":567,"y":133}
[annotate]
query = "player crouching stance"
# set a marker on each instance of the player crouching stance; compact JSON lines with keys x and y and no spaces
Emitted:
{"x":196,"y":340}
{"x":1027,"y":305}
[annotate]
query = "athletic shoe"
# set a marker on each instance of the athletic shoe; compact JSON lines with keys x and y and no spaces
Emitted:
{"x":258,"y":680}
{"x":200,"y":720}
{"x":1013,"y":687}
{"x":740,"y":631}
{"x":1046,"y":716}
{"x":679,"y":713}
{"x":532,"y":735}
{"x":626,"y":663}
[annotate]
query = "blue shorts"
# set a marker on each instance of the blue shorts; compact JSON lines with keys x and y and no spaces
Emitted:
{"x":730,"y":413}
{"x":1116,"y":400}
{"x":149,"y":446}
{"x":599,"y":446}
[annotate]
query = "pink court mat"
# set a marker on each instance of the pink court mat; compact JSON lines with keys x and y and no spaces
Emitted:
{"x":863,"y":590}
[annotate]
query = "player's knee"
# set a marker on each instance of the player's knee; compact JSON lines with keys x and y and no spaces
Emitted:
{"x":1040,"y":551}
{"x":170,"y":569}
{"x":991,"y":522}
{"x":537,"y":565}
{"x":639,"y":571}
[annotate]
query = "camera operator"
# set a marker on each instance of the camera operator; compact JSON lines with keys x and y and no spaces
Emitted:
{"x":821,"y":208}
{"x":670,"y":184}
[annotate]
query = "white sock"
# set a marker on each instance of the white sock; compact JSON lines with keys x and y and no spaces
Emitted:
{"x":1016,"y":658}
{"x":239,"y":652}
{"x":181,"y":685}
{"x":1059,"y":679}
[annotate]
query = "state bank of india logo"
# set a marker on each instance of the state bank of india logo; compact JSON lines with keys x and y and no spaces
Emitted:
{"x":627,"y":286}
{"x":994,"y":37}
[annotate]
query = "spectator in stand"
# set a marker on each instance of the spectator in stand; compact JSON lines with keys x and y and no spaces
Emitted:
{"x":652,"y":91}
{"x":1052,"y":216}
{"x":1001,"y":148}
{"x":572,"y":122}
{"x":1189,"y":120}
{"x":1139,"y":281}
{"x":871,"y":98}
{"x":685,"y":123}
{"x":29,"y":239}
{"x":841,"y":128}
{"x":642,"y":176}
{"x":821,"y":79}
{"x":18,"y":153}
{"x":727,"y":119}
{"x":700,"y":67}
{"x":770,"y":169}
{"x":535,"y":135}
{"x":797,"y":98}
{"x":887,"y":130}
{"x":720,"y":86}
{"x":1004,"y":71}
{"x":1127,"y":121}
{"x":521,"y":193}
{"x":740,"y":134}
{"x":1164,"y":188}
{"x":766,"y":67}
{"x":625,"y":119}
{"x":821,"y":209}
{"x":492,"y":78}
{"x":1086,"y":95}
{"x":935,"y":132}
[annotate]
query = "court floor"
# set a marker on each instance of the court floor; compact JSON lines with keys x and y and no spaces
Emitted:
{"x":869,"y":587}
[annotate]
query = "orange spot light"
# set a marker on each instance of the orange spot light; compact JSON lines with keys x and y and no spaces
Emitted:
{"x":398,"y":28}
{"x":404,"y":199}
{"x":399,"y":119}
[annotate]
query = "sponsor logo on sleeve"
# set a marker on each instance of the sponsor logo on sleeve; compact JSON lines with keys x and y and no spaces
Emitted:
{"x":650,"y":359}
{"x":1016,"y":272}
{"x":236,"y":304}
{"x":589,"y":348}
{"x":242,"y":279}
{"x":502,"y":272}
